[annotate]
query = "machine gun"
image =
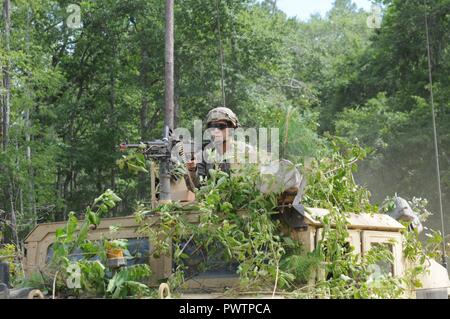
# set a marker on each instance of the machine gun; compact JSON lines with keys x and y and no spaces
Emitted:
{"x":167,"y":151}
{"x":158,"y":150}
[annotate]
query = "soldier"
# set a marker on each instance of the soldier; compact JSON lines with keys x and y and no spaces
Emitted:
{"x":221,"y":153}
{"x":227,"y":154}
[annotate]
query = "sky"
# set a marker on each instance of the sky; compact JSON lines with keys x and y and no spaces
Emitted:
{"x":304,"y":8}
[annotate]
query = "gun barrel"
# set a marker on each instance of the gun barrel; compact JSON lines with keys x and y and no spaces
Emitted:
{"x":125,"y":146}
{"x":157,"y":149}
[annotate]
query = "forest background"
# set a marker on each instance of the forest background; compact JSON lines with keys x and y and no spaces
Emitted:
{"x":70,"y":94}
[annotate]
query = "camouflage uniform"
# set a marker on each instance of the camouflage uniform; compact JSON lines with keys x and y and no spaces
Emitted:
{"x":231,"y":160}
{"x":228,"y":161}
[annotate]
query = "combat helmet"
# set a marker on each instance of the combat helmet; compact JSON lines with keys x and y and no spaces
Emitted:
{"x":222,"y":114}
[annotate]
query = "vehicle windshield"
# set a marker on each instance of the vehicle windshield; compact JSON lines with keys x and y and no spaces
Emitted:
{"x":138,"y":252}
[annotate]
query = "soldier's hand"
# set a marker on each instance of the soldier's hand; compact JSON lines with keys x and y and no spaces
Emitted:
{"x":191,"y":166}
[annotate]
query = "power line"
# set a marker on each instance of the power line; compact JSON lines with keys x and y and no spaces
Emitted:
{"x":436,"y":146}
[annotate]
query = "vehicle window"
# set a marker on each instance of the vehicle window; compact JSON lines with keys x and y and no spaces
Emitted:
{"x":75,"y":256}
{"x":199,"y":261}
{"x":384,"y":267}
{"x":138,"y":252}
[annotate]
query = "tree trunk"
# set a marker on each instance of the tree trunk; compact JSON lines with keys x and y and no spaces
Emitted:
{"x":236,"y":66}
{"x":169,"y":71}
{"x":221,"y":55}
{"x":169,"y":101}
{"x":31,"y":199}
{"x":6,"y":97}
{"x":13,"y":217}
{"x":143,"y":116}
{"x":113,"y":122}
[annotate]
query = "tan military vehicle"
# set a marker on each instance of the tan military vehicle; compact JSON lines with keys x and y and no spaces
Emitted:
{"x":300,"y":223}
{"x":365,"y":231}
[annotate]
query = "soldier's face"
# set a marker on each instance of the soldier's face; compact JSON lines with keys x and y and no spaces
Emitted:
{"x":219,"y":131}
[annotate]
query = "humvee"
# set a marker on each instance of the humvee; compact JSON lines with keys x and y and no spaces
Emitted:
{"x":365,"y":231}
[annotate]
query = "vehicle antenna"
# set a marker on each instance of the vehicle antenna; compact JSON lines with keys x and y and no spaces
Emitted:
{"x":436,"y":146}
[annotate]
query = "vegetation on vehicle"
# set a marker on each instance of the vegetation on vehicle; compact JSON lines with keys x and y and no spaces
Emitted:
{"x":237,"y":223}
{"x":79,"y":267}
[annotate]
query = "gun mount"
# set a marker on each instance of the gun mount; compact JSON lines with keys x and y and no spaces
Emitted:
{"x":167,"y":151}
{"x":158,"y":149}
